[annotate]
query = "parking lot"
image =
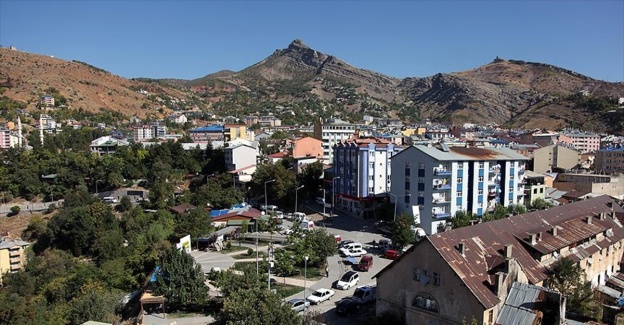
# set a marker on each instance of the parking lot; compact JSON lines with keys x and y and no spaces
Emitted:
{"x":349,"y":228}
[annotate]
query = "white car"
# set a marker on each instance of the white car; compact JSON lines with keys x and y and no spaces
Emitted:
{"x":354,"y":252}
{"x":320,"y":295}
{"x":348,"y":280}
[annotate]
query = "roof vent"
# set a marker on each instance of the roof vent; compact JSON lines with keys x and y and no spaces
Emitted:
{"x":603,"y":215}
{"x":589,"y":220}
{"x":508,"y":250}
{"x":554,"y":231}
{"x":462,"y":249}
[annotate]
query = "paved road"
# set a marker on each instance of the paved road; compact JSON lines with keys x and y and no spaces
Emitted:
{"x":157,"y":319}
{"x":29,"y":206}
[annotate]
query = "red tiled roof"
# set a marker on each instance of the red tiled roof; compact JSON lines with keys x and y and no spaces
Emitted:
{"x":485,"y":242}
{"x":251,"y":213}
{"x":278,"y":155}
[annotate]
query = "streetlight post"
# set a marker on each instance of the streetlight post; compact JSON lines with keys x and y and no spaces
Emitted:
{"x":266,"y":210}
{"x":324,"y":201}
{"x":296,"y":197}
{"x":396,"y":199}
{"x":305,"y":276}
{"x":333,"y":195}
{"x":270,"y":249}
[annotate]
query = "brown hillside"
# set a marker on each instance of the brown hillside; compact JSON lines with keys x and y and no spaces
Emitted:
{"x":84,"y":86}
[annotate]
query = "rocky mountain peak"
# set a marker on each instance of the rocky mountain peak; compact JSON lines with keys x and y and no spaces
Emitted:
{"x":298,"y":44}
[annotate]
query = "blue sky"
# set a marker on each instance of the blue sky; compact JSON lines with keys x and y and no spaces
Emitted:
{"x":189,"y":39}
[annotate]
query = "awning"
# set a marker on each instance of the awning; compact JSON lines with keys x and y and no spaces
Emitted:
{"x":352,"y":260}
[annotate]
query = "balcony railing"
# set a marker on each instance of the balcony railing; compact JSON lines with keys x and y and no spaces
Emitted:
{"x":442,"y":187}
{"x":442,"y":172}
{"x":441,"y":215}
{"x":440,"y":200}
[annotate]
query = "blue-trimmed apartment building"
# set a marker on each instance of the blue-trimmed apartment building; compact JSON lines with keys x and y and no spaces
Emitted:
{"x":362,"y":173}
{"x":433,"y":183}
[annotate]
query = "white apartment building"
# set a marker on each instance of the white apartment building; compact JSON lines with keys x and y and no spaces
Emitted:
{"x":432,"y":184}
{"x":332,"y":132}
{"x":146,"y":132}
{"x":240,"y":156}
{"x":363,"y":168}
{"x":584,"y":141}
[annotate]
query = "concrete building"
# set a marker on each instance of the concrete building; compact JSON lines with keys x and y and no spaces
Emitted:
{"x":234,"y":131}
{"x":12,"y":255}
{"x":535,"y":187}
{"x":584,"y":141}
{"x":46,"y":101}
{"x":209,"y":133}
{"x":363,"y":165}
{"x":609,"y":160}
{"x":240,"y":156}
{"x":307,"y":147}
{"x":555,"y":157}
{"x":332,"y":132}
{"x":178,"y":118}
{"x":107,"y":145}
{"x":142,"y":133}
{"x":432,"y":184}
{"x":591,"y":183}
{"x":452,"y":276}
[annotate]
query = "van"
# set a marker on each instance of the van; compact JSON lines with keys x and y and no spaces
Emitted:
{"x":299,"y":217}
{"x":307,"y":225}
{"x":109,"y":199}
{"x":365,"y":263}
{"x":352,"y":246}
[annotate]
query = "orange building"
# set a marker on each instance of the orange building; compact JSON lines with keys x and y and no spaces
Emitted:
{"x":308,"y":147}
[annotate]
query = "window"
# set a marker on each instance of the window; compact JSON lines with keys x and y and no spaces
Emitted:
{"x":370,"y":177}
{"x":370,"y":189}
{"x":460,"y":180}
{"x":407,"y":186}
{"x":416,"y":274}
{"x":436,"y":279}
{"x":480,"y":178}
{"x":460,"y":165}
{"x":426,"y":301}
{"x":371,"y":165}
{"x":481,"y":165}
{"x":480,"y":192}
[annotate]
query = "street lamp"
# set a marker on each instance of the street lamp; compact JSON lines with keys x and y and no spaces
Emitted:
{"x":266,"y":210}
{"x":305,"y":276}
{"x":396,"y":199}
{"x":269,"y":251}
{"x":296,"y":197}
{"x":333,"y":195}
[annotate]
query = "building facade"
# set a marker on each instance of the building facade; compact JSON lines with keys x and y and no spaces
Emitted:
{"x":584,"y":141}
{"x":450,"y":277}
{"x":107,"y":145}
{"x":330,"y":133}
{"x":363,"y":165}
{"x":535,"y":187}
{"x":432,"y":184}
{"x":555,"y":157}
{"x":12,"y":255}
{"x":307,"y":147}
{"x":610,"y":160}
{"x":240,"y":156}
{"x":207,"y":133}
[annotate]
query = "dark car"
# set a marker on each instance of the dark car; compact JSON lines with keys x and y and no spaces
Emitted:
{"x":347,"y":306}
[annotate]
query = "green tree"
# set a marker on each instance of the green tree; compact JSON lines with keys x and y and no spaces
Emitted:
{"x":179,"y":280}
{"x":281,"y":191}
{"x":124,"y":204}
{"x":95,"y":304}
{"x":35,"y":229}
{"x":403,"y":231}
{"x":195,"y":223}
{"x":311,"y":178}
{"x":540,"y":204}
{"x":256,"y":307}
{"x":462,"y":219}
{"x":284,"y":263}
{"x":569,"y":279}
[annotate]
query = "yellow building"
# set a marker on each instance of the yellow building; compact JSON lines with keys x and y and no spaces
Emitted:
{"x":452,"y":276}
{"x":12,"y":255}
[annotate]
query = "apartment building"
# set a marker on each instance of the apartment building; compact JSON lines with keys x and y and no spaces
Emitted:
{"x":433,"y":183}
{"x":591,"y":183}
{"x":555,"y":157}
{"x":535,"y":187}
{"x":610,"y":160}
{"x":107,"y":145}
{"x":12,"y":255}
{"x":240,"y":156}
{"x":208,"y":133}
{"x":46,"y":101}
{"x":584,"y":141}
{"x":332,"y":132}
{"x":5,"y":138}
{"x":363,"y":167}
{"x":452,"y":276}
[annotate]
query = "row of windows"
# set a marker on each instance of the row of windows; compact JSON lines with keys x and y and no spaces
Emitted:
{"x":424,"y":276}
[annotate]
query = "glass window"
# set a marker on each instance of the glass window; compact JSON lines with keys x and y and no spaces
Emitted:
{"x":436,"y":278}
{"x":416,"y":274}
{"x":480,"y":178}
{"x":460,"y":180}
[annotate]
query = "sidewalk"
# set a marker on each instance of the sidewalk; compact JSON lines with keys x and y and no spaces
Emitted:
{"x":336,"y":270}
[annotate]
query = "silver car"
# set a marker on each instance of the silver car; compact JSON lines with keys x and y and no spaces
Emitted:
{"x":298,"y":305}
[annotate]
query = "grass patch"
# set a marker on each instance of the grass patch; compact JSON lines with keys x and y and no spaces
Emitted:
{"x":286,"y":290}
{"x":183,"y":313}
{"x":242,"y":266}
{"x":312,"y":273}
{"x":234,"y":248}
{"x":261,"y":255}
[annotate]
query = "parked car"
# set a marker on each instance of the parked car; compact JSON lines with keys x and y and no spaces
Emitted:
{"x":365,"y":294}
{"x":345,"y":242}
{"x":354,"y":252}
{"x":348,"y":280}
{"x":366,"y":262}
{"x":320,"y":295}
{"x":298,"y":305}
{"x":392,"y":254}
{"x":345,"y":248}
{"x":347,"y":306}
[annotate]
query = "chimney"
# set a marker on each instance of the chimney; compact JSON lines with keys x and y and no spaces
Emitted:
{"x":603,"y":215}
{"x":612,"y":214}
{"x":610,"y":205}
{"x":508,"y":250}
{"x":554,"y":230}
{"x":500,"y":284}
{"x":539,"y":236}
{"x":533,"y":238}
{"x":462,"y":248}
{"x":589,"y":220}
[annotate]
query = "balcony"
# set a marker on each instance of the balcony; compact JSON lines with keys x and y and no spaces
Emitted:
{"x":441,"y":187}
{"x":442,"y":172}
{"x":441,"y":215}
{"x":440,"y":200}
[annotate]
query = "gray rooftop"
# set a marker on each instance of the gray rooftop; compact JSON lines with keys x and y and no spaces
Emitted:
{"x":8,"y":243}
{"x":472,"y":153}
{"x":520,"y":306}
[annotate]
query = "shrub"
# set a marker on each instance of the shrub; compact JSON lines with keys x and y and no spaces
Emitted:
{"x":249,"y":251}
{"x":15,"y":210}
{"x":228,"y":245}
